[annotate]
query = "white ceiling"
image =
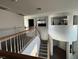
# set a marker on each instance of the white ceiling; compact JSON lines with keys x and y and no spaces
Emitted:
{"x":28,"y":7}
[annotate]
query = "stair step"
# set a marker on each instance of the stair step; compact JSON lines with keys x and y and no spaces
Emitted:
{"x":43,"y":54}
{"x":44,"y":51}
{"x":43,"y":57}
{"x":44,"y":48}
{"x":44,"y":42}
{"x":44,"y":45}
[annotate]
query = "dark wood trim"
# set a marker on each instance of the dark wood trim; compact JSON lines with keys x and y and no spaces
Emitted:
{"x":11,"y":55}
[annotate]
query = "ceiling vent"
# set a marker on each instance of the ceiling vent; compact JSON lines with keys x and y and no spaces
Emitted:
{"x":3,"y":8}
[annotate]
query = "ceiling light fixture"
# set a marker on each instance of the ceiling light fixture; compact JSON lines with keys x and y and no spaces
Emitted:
{"x":20,"y":14}
{"x":14,"y":0}
{"x":3,"y":8}
{"x":38,"y":9}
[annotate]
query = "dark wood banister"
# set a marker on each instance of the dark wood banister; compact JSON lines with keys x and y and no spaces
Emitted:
{"x":11,"y":55}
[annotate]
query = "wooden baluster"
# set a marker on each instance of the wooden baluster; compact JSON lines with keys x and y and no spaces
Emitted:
{"x":0,"y":49}
{"x":16,"y":44}
{"x":23,"y":40}
{"x":3,"y":45}
{"x":0,"y":46}
{"x":20,"y":42}
{"x":11,"y":44}
{"x":12,"y":40}
{"x":8,"y":45}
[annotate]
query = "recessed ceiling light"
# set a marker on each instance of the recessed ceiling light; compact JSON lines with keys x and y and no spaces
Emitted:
{"x":38,"y":8}
{"x":14,"y":0}
{"x":20,"y":14}
{"x":3,"y":8}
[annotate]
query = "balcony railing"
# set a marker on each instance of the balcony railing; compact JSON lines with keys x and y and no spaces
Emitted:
{"x":17,"y":42}
{"x":12,"y":46}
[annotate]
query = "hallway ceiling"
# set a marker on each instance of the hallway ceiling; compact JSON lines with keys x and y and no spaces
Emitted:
{"x":29,"y":7}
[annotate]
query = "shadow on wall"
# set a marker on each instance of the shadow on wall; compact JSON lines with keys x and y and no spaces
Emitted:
{"x":60,"y":44}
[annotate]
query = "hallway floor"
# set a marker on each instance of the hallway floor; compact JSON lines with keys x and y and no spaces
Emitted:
{"x":58,"y":53}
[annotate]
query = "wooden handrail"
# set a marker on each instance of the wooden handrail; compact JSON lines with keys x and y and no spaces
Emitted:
{"x":11,"y":55}
{"x":4,"y":37}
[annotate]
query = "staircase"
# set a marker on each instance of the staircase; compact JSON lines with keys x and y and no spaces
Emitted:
{"x":43,"y":49}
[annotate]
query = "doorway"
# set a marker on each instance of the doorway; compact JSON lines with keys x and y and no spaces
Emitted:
{"x":31,"y":22}
{"x":59,"y":49}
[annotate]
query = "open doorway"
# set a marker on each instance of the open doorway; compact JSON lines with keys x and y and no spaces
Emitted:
{"x":31,"y":22}
{"x":59,"y":49}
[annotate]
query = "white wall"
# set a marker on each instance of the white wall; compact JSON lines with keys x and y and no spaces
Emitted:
{"x":44,"y":33}
{"x":64,"y":33}
{"x":26,"y":24}
{"x":43,"y":30}
{"x":10,"y":22}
